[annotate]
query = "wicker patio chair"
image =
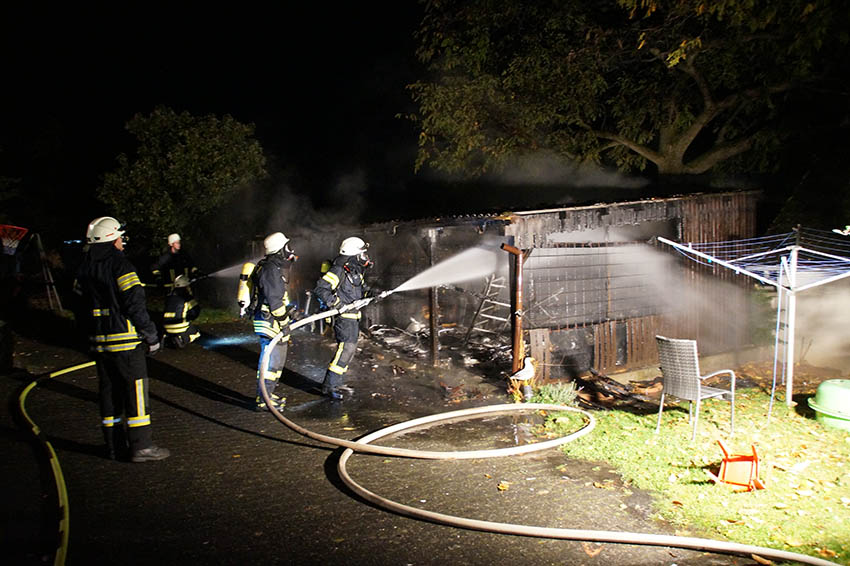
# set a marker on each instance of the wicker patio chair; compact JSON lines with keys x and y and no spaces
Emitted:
{"x":680,"y":369}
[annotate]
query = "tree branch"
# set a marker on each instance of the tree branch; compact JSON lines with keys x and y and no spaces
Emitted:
{"x":641,"y":150}
{"x":719,"y":153}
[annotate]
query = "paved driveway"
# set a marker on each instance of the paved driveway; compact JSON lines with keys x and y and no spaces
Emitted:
{"x":240,"y":488}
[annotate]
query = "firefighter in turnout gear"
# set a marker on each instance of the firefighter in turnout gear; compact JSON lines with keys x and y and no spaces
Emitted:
{"x":270,"y":304}
{"x":180,"y":310}
{"x":173,"y":263}
{"x":344,"y":285}
{"x":120,"y":333}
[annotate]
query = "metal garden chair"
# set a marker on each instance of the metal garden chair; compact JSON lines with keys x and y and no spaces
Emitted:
{"x":680,"y":370}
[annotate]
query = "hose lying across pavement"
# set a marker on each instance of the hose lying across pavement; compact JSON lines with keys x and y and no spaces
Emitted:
{"x":58,"y":478}
{"x":363,"y":445}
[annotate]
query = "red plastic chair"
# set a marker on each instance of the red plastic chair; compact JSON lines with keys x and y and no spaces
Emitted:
{"x":741,"y":471}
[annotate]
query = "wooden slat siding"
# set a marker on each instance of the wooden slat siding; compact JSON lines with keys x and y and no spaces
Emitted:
{"x":605,"y":346}
{"x":541,"y":350}
{"x":703,"y":218}
{"x":640,"y":350}
{"x":716,"y":218}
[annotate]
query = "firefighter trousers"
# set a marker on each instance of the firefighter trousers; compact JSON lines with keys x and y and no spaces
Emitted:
{"x":346,"y":331}
{"x":277,"y":359}
{"x":124,"y":399}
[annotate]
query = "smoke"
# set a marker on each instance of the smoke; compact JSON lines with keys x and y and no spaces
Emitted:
{"x":701,"y":306}
{"x":821,"y":332}
{"x":288,"y":211}
{"x":546,"y":168}
{"x":234,"y":234}
{"x":726,"y":310}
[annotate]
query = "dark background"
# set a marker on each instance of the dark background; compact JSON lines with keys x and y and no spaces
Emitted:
{"x":323,"y":84}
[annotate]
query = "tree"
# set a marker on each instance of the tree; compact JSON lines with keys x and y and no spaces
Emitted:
{"x":686,"y":86}
{"x":185,"y":167}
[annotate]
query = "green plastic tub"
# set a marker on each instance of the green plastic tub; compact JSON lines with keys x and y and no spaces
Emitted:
{"x":831,"y":403}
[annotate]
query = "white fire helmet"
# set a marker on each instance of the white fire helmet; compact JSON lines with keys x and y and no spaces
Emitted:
{"x":173,"y":238}
{"x":353,"y":246}
{"x":104,"y":229}
{"x":181,"y":281}
{"x":274,"y":243}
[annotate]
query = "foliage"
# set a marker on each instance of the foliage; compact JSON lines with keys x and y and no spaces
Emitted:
{"x":184,"y":168}
{"x":805,"y":507}
{"x":763,"y":316}
{"x":685,"y":86}
{"x":558,"y":393}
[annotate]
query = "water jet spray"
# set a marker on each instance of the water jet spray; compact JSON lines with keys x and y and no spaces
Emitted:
{"x":468,"y":264}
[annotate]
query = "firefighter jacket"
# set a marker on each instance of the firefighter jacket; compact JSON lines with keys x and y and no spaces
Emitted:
{"x":343,"y":284}
{"x":170,"y":265}
{"x":180,"y":310}
{"x":112,"y":301}
{"x":270,"y":277}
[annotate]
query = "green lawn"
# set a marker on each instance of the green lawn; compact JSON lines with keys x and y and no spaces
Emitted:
{"x":805,"y":507}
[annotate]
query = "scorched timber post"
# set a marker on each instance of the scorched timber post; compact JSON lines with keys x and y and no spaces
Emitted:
{"x":518,"y":349}
{"x":432,"y":302}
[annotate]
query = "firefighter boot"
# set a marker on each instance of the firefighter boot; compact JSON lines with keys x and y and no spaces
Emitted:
{"x":278,"y":402}
{"x":331,"y":386}
{"x":109,"y":438}
{"x":150,"y":454}
{"x":116,"y":442}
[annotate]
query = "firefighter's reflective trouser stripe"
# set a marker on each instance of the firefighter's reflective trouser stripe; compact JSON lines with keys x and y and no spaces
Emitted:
{"x":175,"y":322}
{"x":277,"y":359}
{"x":124,"y":394}
{"x":346,"y":330}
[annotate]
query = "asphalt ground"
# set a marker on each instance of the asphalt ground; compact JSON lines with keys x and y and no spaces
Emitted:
{"x":240,"y":488}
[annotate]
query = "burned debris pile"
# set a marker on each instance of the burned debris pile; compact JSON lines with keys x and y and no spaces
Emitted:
{"x":489,"y":355}
{"x":598,"y":391}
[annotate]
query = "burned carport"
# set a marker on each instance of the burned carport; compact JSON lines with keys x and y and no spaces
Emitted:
{"x":591,"y":292}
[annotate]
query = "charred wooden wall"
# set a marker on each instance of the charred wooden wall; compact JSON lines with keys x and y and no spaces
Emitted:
{"x":606,"y":312}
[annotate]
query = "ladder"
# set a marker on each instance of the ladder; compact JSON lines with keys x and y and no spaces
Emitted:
{"x":47,"y":275}
{"x":492,"y":315}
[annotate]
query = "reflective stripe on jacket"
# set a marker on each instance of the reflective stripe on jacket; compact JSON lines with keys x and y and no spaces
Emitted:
{"x":113,"y":301}
{"x":271,"y":276}
{"x":343,"y":284}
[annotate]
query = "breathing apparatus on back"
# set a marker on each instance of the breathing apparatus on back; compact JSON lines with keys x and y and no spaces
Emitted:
{"x":246,"y":294}
{"x":245,"y":289}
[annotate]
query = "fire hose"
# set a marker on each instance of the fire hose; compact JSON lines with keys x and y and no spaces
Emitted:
{"x":364,"y":445}
{"x":58,"y":478}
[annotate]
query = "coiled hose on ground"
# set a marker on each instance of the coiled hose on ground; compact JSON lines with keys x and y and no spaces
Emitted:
{"x":363,"y":445}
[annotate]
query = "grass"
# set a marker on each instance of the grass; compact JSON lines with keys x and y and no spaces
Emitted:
{"x":805,"y":507}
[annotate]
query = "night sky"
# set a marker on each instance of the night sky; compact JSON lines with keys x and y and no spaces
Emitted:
{"x":322,"y":84}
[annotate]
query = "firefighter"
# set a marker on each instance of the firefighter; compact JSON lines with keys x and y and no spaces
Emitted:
{"x":175,"y":261}
{"x":120,"y":333}
{"x":180,"y":310}
{"x":344,"y":285}
{"x":271,"y":310}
